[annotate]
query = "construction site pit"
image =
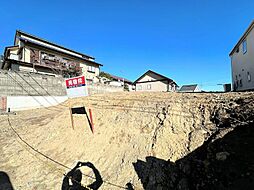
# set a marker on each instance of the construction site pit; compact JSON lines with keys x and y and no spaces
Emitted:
{"x":178,"y":141}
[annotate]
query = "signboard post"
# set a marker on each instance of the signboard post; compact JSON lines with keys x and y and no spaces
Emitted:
{"x":76,"y":87}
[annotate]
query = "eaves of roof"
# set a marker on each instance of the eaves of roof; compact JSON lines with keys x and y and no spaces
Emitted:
{"x":38,"y":44}
{"x":243,"y":37}
{"x":43,"y":40}
{"x":150,"y":71}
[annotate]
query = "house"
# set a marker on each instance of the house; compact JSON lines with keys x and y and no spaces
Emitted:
{"x":152,"y":81}
{"x":242,"y":61}
{"x":1,"y":61}
{"x":190,"y":88}
{"x":117,"y":81}
{"x":104,"y":80}
{"x":33,"y":54}
{"x":120,"y":81}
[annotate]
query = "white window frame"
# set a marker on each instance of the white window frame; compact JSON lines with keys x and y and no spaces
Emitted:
{"x":244,"y":46}
{"x":248,"y":76}
{"x":91,"y":68}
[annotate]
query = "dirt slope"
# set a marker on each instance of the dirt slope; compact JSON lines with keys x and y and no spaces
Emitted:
{"x":129,"y":128}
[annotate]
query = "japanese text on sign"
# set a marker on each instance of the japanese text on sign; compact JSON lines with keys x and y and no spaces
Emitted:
{"x":75,"y":82}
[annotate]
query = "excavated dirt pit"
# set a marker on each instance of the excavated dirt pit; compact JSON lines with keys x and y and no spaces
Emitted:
{"x":149,"y":140}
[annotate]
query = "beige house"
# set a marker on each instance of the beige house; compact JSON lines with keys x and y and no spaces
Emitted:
{"x":32,"y":54}
{"x":152,"y":81}
{"x":242,"y":61}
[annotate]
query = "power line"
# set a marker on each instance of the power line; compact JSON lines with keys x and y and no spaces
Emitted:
{"x":52,"y":160}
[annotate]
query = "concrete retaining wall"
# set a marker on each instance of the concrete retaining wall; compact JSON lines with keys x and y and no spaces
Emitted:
{"x":16,"y":103}
{"x":24,"y":90}
{"x":30,"y":84}
{"x":103,"y":89}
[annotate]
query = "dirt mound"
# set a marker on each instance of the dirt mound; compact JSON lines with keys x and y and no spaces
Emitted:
{"x":152,"y":140}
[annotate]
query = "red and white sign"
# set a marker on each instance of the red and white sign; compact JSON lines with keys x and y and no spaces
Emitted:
{"x":76,"y":87}
{"x":75,"y":82}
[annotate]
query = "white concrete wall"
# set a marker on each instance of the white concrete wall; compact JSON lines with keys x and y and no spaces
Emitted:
{"x":103,"y":89}
{"x":16,"y":103}
{"x":116,"y":83}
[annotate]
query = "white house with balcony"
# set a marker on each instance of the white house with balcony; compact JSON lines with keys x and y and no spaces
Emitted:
{"x":33,"y":54}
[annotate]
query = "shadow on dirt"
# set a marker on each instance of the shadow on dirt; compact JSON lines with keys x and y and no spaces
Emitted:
{"x":226,"y":163}
{"x":5,"y":182}
{"x":75,"y":176}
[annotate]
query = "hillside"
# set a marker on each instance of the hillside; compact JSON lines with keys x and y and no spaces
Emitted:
{"x":151,"y":140}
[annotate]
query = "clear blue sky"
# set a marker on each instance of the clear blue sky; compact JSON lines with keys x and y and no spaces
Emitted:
{"x":188,"y":41}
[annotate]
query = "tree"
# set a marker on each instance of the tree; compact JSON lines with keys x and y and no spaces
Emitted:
{"x":106,"y":75}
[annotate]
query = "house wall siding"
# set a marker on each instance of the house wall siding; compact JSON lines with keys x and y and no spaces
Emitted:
{"x":242,"y":64}
{"x":90,"y":75}
{"x":26,"y":55}
{"x":160,"y":86}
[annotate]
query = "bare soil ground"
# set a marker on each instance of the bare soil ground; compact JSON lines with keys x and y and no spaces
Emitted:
{"x":151,"y":140}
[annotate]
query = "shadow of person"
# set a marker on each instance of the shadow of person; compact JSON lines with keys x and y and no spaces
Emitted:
{"x":75,"y":175}
{"x":5,"y":183}
{"x":129,"y":186}
{"x":222,"y":164}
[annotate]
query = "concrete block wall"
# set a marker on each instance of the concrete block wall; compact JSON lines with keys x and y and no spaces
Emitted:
{"x":30,"y":84}
{"x":103,"y":89}
{"x":23,"y":90}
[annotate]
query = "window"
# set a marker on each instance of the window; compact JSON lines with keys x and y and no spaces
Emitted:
{"x":244,"y":46}
{"x":149,"y":87}
{"x":91,"y":69}
{"x":21,"y":53}
{"x":47,"y":56}
{"x":89,"y":81}
{"x":240,"y":83}
{"x":139,"y":87}
{"x":248,"y":76}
